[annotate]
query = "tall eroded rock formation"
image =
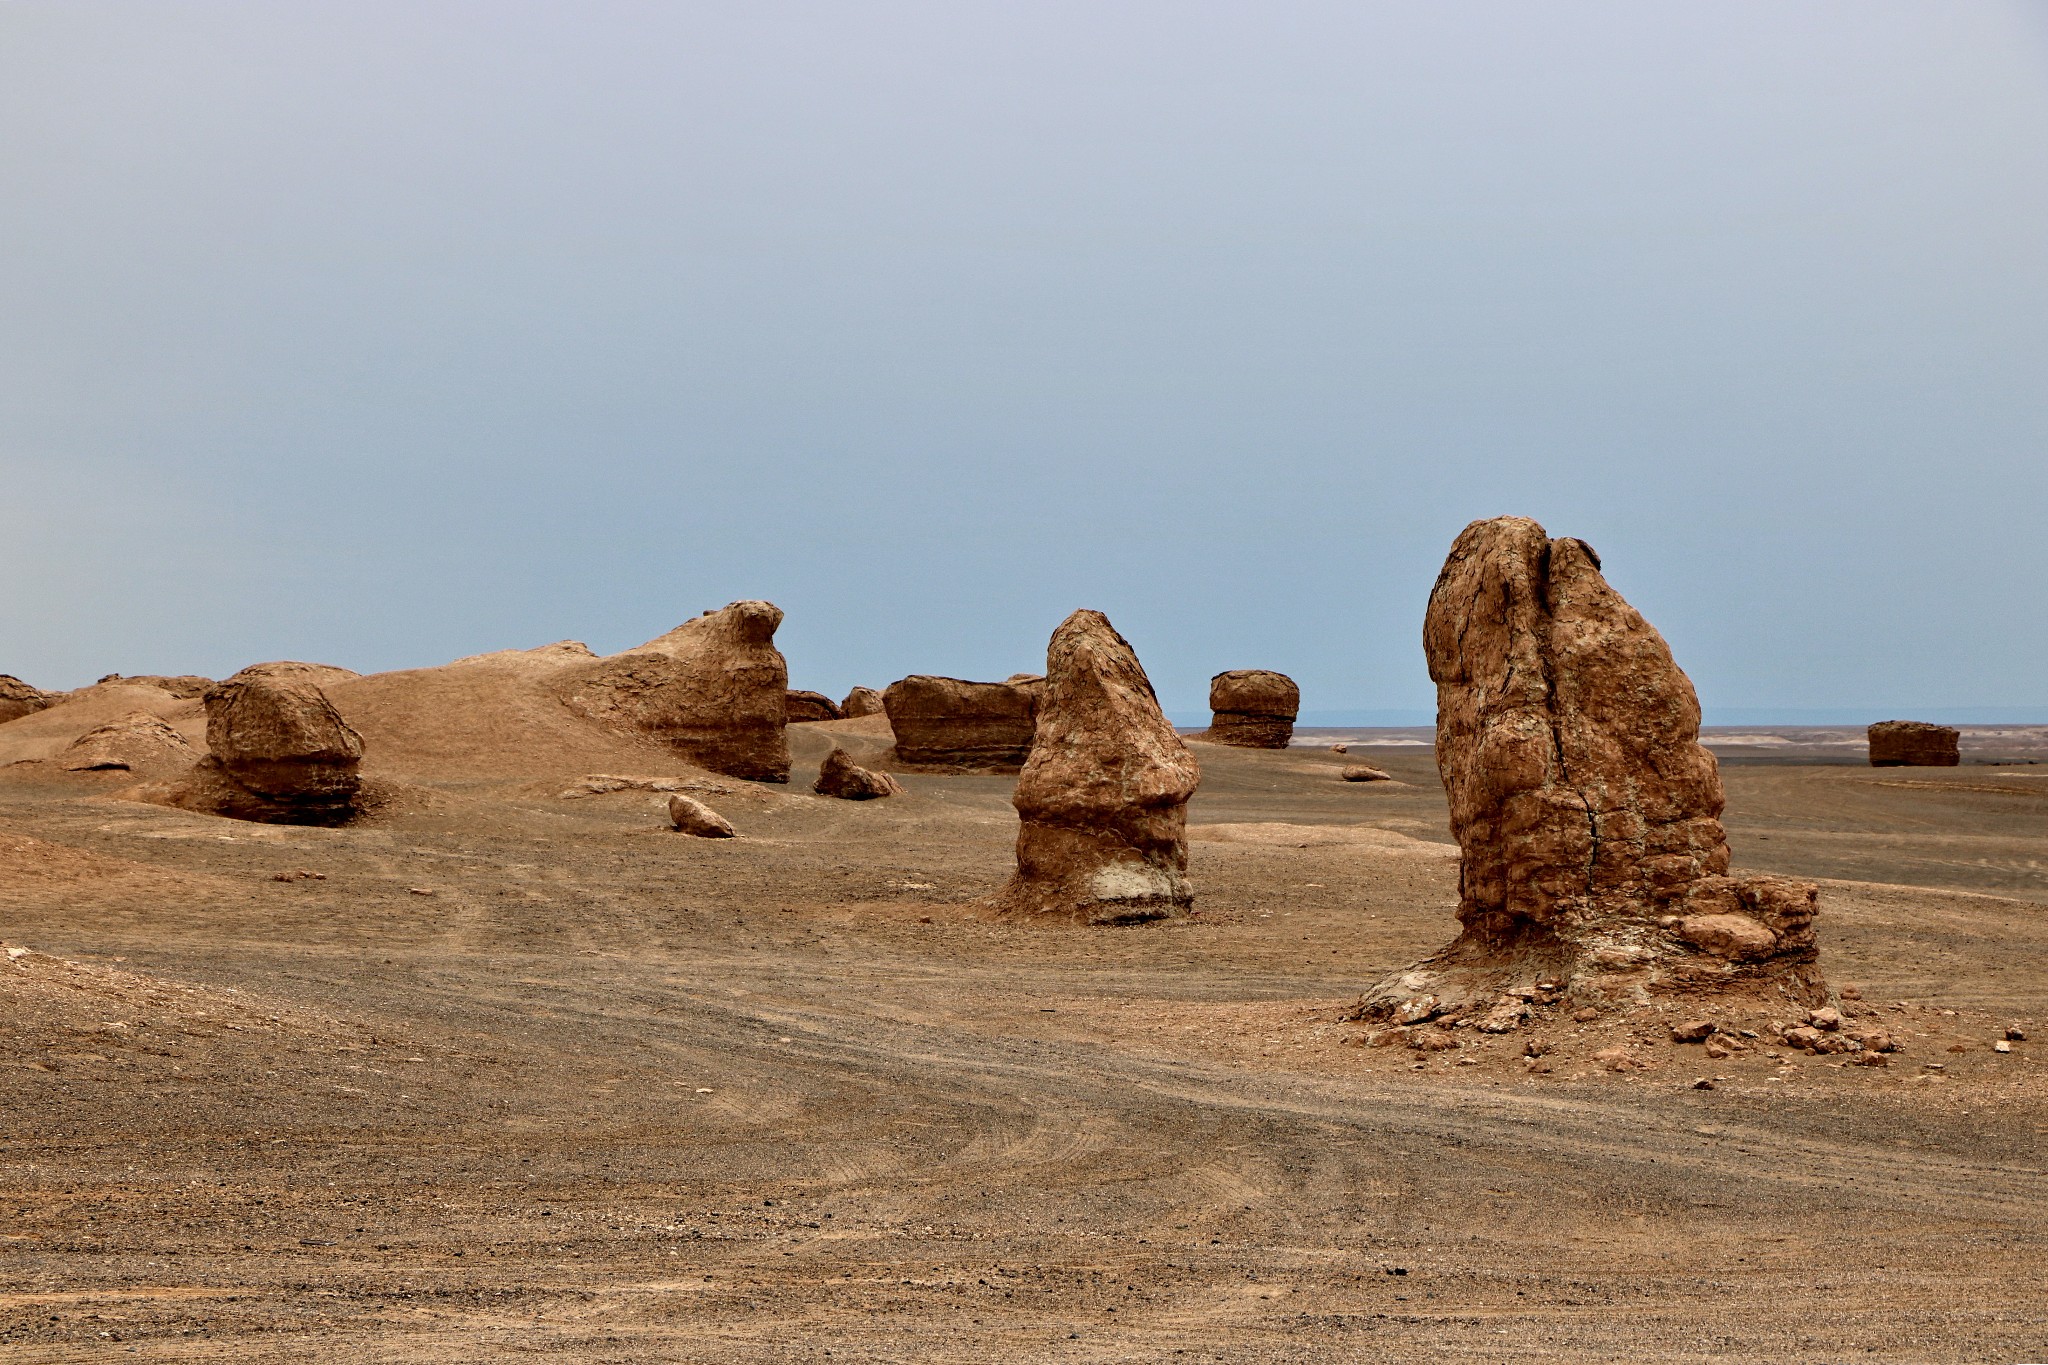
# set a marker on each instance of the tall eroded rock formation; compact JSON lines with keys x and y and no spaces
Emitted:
{"x":278,"y":752}
{"x":1103,"y":797}
{"x":1252,"y":708}
{"x":714,"y":689}
{"x":1586,"y":812}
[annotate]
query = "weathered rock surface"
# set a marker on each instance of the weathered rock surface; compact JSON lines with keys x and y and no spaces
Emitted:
{"x":694,"y":817}
{"x":178,"y":685}
{"x":1913,"y":744}
{"x":1103,"y":797}
{"x":1586,"y":812}
{"x":862,"y":701}
{"x":714,"y":689}
{"x":1360,"y":772}
{"x":1252,"y":708}
{"x":959,"y":726}
{"x":798,"y":707}
{"x":139,"y":743}
{"x":840,"y":776}
{"x":17,"y":698}
{"x":279,"y":753}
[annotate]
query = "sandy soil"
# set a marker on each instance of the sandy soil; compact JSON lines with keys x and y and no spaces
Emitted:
{"x":499,"y":1072}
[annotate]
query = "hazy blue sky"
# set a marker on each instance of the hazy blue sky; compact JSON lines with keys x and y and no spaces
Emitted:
{"x":380,"y":334}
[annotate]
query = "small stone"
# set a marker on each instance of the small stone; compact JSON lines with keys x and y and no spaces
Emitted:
{"x":1692,"y":1031}
{"x":1703,"y":1084}
{"x":1805,"y":1039}
{"x":694,"y":817}
{"x":1720,"y":1046}
{"x":1537,"y":1066}
{"x":1827,"y":1019}
{"x":1431,"y":1040}
{"x":2015,"y":1034}
{"x":2001,"y":1046}
{"x":1361,"y":773}
{"x":1872,"y":1059}
{"x":1617,"y":1059}
{"x":420,"y":890}
{"x":1535,"y":1047}
{"x":1876,"y":1040}
{"x":1416,"y":1010}
{"x":1852,"y":992}
{"x":1340,"y":748}
{"x":1586,"y":1015}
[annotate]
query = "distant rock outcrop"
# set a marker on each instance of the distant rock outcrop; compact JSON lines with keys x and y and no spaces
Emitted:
{"x":1586,"y":812}
{"x":280,"y":753}
{"x":138,"y":743}
{"x":862,"y":701}
{"x":945,"y":723}
{"x":840,"y":776}
{"x":17,"y":698}
{"x":798,"y":707}
{"x":1103,"y":797}
{"x":1252,"y":708}
{"x":1913,"y":744}
{"x":713,"y":689}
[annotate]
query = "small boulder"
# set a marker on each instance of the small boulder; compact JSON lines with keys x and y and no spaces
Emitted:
{"x":1359,"y":772}
{"x":1827,"y":1019}
{"x":840,"y":776}
{"x":1252,"y":708}
{"x":692,"y":816}
{"x":1692,"y":1031}
{"x":1913,"y":744}
{"x":799,"y":707}
{"x":862,"y":701}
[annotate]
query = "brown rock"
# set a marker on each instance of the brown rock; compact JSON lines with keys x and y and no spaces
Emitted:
{"x":1252,"y":708}
{"x":713,"y":689}
{"x":1360,"y":773}
{"x":280,"y":753}
{"x":1432,"y":1040}
{"x":17,"y":698}
{"x":1692,"y":1031}
{"x":862,"y":701}
{"x":136,"y":743}
{"x":1804,"y":1038}
{"x":798,"y":707}
{"x":1827,"y":1019}
{"x":1103,"y":798}
{"x":1913,"y":744}
{"x":1586,"y":812}
{"x":692,"y":816}
{"x":949,"y":724}
{"x":839,"y":776}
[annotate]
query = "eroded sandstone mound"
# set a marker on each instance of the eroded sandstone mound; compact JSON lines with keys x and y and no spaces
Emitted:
{"x":138,"y":743}
{"x":840,"y":776}
{"x":946,"y":723}
{"x":279,"y":753}
{"x":862,"y":701}
{"x":714,"y":689}
{"x":1103,"y":797}
{"x":1252,"y":708}
{"x":18,"y":698}
{"x":1913,"y":744}
{"x":799,"y":707}
{"x":1593,"y":863}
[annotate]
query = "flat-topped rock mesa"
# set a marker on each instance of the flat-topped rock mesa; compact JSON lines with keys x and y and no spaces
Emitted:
{"x":959,"y":726}
{"x":138,"y":743}
{"x":1103,"y":797}
{"x":18,"y":698}
{"x":862,"y":701}
{"x":279,"y":753}
{"x":1587,"y":815}
{"x":800,"y":707}
{"x":1252,"y":708}
{"x":714,"y":689}
{"x":1914,"y":744}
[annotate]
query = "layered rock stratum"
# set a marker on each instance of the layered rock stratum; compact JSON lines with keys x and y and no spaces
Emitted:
{"x":1252,"y":708}
{"x":1913,"y":744}
{"x":959,"y":726}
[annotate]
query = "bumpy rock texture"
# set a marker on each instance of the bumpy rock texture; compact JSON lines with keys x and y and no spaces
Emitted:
{"x":862,"y":701}
{"x":945,"y":723}
{"x":714,"y":689}
{"x":279,"y":752}
{"x":840,"y":776}
{"x":1913,"y":744}
{"x":799,"y":707}
{"x":17,"y":698}
{"x":136,"y":743}
{"x":1103,"y":797}
{"x":1252,"y":708}
{"x":1587,"y":814}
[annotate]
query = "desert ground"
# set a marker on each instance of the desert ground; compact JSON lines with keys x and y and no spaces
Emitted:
{"x":509,"y":1070}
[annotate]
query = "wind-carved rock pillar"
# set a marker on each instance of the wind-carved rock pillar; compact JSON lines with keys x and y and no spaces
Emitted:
{"x":1592,"y":858}
{"x":1103,"y":796}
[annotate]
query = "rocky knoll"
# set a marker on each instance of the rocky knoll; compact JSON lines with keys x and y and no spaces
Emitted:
{"x":945,"y":723}
{"x":1593,"y":862}
{"x":1913,"y":744}
{"x":17,"y":698}
{"x":862,"y":701}
{"x":714,"y":689}
{"x":279,"y":752}
{"x":1103,"y":797}
{"x":799,"y":707}
{"x":135,"y":743}
{"x":1252,"y":708}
